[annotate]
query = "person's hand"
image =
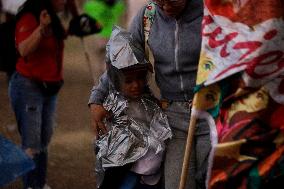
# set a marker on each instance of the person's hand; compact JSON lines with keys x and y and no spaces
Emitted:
{"x":44,"y":19}
{"x":31,"y":43}
{"x":98,"y":114}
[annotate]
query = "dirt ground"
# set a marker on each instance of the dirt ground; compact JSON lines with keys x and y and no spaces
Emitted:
{"x":71,"y":156}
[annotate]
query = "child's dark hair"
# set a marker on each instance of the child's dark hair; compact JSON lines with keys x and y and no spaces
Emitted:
{"x":117,"y":75}
{"x":35,"y":7}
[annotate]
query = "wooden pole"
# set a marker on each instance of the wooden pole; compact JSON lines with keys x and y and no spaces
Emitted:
{"x":187,"y":153}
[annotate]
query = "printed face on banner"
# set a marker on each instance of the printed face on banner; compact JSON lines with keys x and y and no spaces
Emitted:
{"x":205,"y":66}
{"x":208,"y":97}
{"x":251,"y":103}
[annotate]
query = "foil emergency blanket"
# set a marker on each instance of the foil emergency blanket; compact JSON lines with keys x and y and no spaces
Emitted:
{"x":135,"y":128}
{"x":123,"y":51}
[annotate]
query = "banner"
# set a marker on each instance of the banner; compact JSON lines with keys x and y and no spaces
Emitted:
{"x":240,"y":91}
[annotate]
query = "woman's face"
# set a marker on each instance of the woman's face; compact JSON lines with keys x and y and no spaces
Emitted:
{"x":253,"y":102}
{"x":172,"y":8}
{"x":58,"y":5}
{"x":256,"y":101}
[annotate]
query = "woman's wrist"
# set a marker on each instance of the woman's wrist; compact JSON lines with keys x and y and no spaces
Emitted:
{"x":41,"y":31}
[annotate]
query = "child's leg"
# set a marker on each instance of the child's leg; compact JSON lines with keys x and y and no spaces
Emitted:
{"x":130,"y":181}
{"x":113,"y":177}
{"x":145,"y":186}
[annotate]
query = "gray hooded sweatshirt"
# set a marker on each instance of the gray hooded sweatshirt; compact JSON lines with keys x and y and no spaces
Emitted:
{"x":175,"y":45}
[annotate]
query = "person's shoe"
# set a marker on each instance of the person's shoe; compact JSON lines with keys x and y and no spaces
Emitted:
{"x":46,"y":187}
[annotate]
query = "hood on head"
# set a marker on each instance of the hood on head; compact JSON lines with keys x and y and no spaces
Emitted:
{"x":123,"y":52}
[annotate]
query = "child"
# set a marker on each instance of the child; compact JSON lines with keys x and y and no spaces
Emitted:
{"x":129,"y":155}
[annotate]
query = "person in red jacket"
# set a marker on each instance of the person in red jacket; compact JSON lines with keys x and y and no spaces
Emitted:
{"x":34,"y":86}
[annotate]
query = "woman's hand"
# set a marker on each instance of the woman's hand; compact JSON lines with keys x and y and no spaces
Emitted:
{"x":30,"y":44}
{"x":98,"y":114}
{"x":44,"y":19}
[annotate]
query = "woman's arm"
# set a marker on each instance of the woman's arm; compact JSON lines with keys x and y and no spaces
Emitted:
{"x":31,"y":43}
{"x":137,"y":29}
{"x":98,"y":112}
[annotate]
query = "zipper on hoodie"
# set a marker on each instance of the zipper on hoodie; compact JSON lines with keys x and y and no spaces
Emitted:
{"x":177,"y":60}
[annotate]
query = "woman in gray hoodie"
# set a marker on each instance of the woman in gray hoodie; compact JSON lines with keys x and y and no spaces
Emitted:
{"x":175,"y":41}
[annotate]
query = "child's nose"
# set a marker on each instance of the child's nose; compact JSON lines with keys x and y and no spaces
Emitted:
{"x":135,"y":83}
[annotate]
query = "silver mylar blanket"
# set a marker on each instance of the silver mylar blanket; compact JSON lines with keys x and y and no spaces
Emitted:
{"x":135,"y":128}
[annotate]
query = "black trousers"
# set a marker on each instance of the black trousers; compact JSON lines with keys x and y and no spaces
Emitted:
{"x":115,"y":176}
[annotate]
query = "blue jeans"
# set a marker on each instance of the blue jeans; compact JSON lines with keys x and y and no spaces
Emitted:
{"x":132,"y":181}
{"x":34,"y":114}
{"x":178,"y":115}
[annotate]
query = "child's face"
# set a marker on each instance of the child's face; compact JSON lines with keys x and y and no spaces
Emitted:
{"x":134,"y":83}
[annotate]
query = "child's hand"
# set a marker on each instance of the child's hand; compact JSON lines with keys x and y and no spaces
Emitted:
{"x":98,"y":114}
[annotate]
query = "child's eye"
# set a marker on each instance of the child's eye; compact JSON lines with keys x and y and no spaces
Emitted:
{"x":128,"y":81}
{"x":210,"y":97}
{"x":208,"y":65}
{"x":142,"y":77}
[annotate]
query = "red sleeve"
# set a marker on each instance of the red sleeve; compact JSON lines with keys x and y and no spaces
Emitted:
{"x":25,"y":27}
